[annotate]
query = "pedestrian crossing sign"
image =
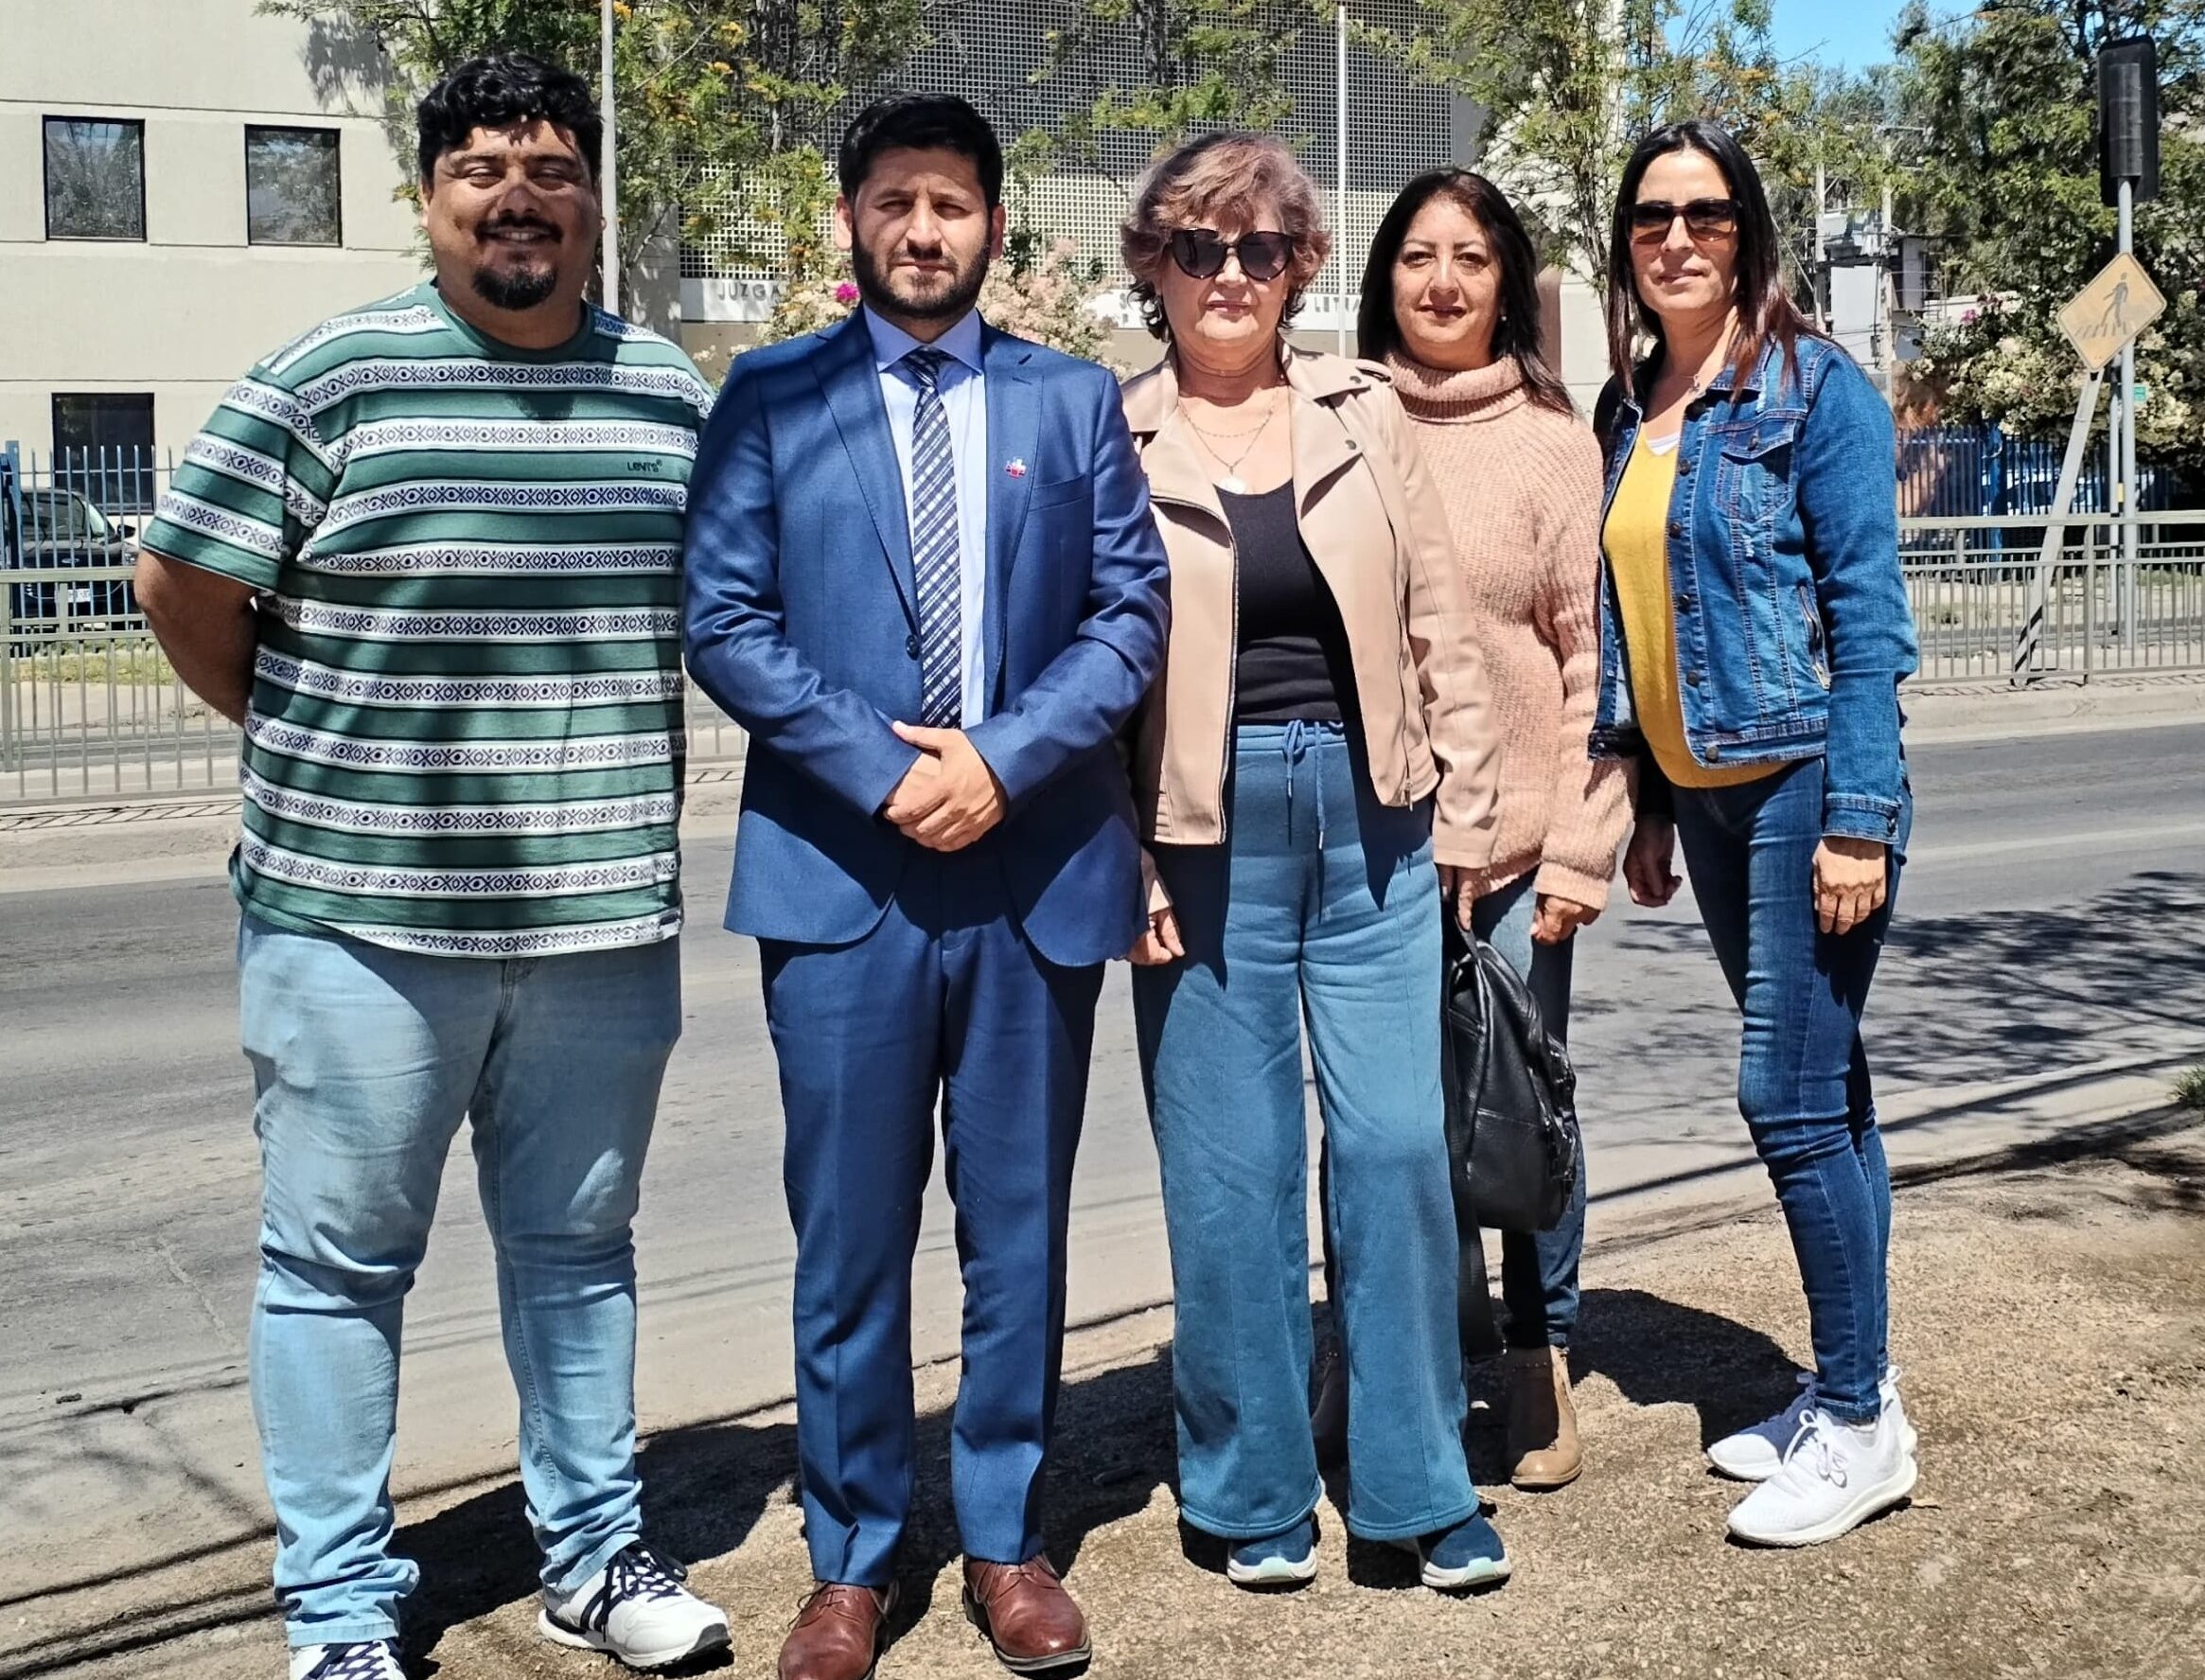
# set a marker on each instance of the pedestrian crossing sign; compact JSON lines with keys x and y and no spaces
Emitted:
{"x":2104,"y":315}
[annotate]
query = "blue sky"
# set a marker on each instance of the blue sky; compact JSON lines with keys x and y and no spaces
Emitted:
{"x":1854,"y":33}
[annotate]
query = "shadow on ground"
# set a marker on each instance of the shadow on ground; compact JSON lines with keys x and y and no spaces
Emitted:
{"x":707,"y":1487}
{"x":1960,"y":998}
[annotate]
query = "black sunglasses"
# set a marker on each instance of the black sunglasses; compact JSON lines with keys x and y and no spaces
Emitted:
{"x":1201,"y":254}
{"x":1704,"y":218}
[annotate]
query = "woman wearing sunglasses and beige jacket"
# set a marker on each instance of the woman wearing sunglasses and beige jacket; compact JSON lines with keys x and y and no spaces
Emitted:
{"x":1316,"y":744}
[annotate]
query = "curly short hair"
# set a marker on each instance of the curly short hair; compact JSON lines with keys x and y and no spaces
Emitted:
{"x":1225,"y":181}
{"x":498,"y":89}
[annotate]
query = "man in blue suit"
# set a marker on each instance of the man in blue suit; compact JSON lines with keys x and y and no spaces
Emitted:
{"x":923,"y":576}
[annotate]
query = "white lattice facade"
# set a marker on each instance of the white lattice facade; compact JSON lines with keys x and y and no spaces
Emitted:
{"x":991,"y":50}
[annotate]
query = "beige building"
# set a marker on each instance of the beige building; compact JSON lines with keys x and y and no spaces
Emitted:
{"x":186,"y":183}
{"x":183,"y":184}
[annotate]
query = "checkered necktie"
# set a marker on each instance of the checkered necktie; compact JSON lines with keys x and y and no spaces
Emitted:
{"x":935,"y":550}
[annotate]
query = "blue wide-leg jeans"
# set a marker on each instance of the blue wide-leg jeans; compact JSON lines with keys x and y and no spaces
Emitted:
{"x":1320,"y":904}
{"x":1803,"y":1071}
{"x":366,"y":1060}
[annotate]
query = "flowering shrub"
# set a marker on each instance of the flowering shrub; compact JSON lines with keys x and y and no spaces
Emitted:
{"x":2003,"y":366}
{"x":1035,"y":291}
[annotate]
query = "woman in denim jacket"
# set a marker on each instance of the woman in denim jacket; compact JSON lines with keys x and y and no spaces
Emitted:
{"x":1755,"y":630}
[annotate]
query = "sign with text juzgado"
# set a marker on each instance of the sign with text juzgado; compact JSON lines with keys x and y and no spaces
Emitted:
{"x":2111,"y":310}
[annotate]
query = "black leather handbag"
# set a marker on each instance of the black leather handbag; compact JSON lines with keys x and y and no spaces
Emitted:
{"x":1511,"y":1114}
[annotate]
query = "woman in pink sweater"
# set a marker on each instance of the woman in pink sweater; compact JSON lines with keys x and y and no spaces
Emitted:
{"x":1451,"y":306}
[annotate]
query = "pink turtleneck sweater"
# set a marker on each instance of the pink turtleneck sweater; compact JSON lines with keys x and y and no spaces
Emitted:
{"x":1522,"y":485}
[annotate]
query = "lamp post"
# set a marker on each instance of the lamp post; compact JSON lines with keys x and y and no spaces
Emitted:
{"x":608,"y":175}
{"x":1340,"y":176}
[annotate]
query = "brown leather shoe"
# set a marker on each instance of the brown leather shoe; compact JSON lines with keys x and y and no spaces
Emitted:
{"x":1028,"y":1616}
{"x":1543,"y":1423}
{"x":837,"y":1634}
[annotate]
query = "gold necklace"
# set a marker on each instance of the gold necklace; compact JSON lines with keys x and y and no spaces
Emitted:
{"x":1232,"y":484}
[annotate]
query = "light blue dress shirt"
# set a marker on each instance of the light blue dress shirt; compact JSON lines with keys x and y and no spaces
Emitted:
{"x":965,"y":402}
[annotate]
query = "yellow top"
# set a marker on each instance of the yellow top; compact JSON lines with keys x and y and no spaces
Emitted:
{"x":1636,"y":541}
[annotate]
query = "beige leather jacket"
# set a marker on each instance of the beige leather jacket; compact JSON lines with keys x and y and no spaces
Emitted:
{"x":1375,"y":525}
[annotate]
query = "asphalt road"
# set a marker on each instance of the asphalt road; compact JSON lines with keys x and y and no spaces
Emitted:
{"x":2048,"y":964}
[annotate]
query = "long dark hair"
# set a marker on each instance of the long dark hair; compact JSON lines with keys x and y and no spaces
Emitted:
{"x":1765,"y":310}
{"x":1378,"y":331}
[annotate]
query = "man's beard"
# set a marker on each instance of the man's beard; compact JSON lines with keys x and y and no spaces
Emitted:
{"x":950,"y":304}
{"x":523,"y":288}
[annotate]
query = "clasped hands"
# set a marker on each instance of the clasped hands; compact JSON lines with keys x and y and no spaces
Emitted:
{"x":949,"y":798}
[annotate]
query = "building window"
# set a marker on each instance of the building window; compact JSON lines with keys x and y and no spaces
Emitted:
{"x":96,"y":178}
{"x":103,"y":449}
{"x":291,"y":186}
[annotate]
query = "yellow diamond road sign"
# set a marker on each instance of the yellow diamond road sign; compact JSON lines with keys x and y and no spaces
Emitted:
{"x":2111,"y":310}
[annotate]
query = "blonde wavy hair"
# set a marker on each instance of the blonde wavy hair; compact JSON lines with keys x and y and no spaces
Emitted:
{"x":1225,"y":182}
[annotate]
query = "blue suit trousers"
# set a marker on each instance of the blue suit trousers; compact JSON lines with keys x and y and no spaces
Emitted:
{"x":946,"y":998}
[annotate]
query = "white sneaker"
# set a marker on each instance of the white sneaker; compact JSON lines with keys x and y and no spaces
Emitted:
{"x":1757,"y":1453}
{"x":356,"y":1659}
{"x":637,"y":1610}
{"x":1835,"y":1477}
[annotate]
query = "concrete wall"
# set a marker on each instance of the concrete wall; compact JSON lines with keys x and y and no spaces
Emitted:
{"x":182,"y":313}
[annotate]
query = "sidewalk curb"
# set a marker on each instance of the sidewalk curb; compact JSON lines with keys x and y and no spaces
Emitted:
{"x":95,"y":844}
{"x":1954,"y":713}
{"x":91,"y":842}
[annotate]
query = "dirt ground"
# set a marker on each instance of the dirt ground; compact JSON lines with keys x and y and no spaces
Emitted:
{"x":2049,"y":1313}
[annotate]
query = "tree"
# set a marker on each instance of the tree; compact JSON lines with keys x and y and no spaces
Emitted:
{"x":1204,"y":64}
{"x":1568,"y":86}
{"x":721,"y":105}
{"x":2007,"y":184}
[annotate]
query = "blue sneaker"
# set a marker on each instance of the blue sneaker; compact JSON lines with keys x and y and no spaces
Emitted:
{"x":1276,"y":1560}
{"x":1468,"y":1555}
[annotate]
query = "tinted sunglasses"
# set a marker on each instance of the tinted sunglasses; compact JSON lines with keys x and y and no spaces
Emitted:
{"x":1201,"y":254}
{"x":1704,"y":218}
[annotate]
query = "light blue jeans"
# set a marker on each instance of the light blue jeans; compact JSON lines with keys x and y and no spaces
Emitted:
{"x":366,"y":1060}
{"x":1324,"y":903}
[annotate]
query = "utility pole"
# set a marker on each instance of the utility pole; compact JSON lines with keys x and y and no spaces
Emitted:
{"x":609,"y":179}
{"x":1822,"y":271}
{"x":2101,"y":321}
{"x":1340,"y":159}
{"x":2125,"y":437}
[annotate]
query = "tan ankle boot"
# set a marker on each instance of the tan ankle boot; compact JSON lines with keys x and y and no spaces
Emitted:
{"x":1542,"y":1423}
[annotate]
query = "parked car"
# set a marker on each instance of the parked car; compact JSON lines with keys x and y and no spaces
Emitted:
{"x":62,"y":529}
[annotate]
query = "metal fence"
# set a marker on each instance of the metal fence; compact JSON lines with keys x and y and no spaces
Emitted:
{"x":1971,"y":583}
{"x":1984,"y":472}
{"x":91,"y":711}
{"x":90,"y":708}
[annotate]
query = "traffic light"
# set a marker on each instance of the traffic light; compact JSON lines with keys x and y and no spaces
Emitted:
{"x":2129,"y":117}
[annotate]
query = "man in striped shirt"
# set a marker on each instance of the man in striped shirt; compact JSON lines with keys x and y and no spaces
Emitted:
{"x":429,"y":557}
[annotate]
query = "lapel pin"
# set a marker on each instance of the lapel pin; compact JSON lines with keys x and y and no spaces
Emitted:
{"x":1016,"y":468}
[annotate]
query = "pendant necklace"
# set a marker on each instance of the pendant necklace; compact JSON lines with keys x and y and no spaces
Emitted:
{"x":1231,"y":483}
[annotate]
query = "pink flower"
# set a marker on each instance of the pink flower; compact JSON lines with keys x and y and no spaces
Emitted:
{"x":1968,"y":319}
{"x":845,"y":293}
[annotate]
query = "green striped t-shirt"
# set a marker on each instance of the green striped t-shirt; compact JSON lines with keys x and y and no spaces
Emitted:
{"x":466,"y":730}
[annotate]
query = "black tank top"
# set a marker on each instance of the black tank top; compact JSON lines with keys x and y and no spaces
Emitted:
{"x":1291,"y":659}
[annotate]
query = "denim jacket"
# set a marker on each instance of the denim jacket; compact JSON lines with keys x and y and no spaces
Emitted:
{"x":1792,"y":626}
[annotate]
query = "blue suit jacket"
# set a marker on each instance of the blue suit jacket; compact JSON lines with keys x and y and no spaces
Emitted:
{"x":803,"y":626}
